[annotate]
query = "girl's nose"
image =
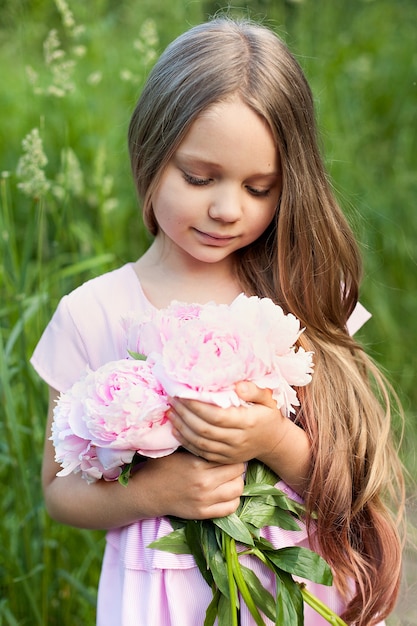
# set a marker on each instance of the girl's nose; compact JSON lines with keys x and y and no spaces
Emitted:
{"x":226,"y":205}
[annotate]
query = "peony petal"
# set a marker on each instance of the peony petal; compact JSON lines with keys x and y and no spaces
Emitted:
{"x":111,"y":458}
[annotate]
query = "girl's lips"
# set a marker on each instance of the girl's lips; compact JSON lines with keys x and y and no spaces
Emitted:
{"x":214,"y":238}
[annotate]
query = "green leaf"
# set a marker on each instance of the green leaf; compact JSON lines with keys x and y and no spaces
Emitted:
{"x":258,"y":489}
{"x":224,"y":612}
{"x":175,"y":542}
{"x":193,"y":535}
{"x":302,"y":562}
{"x":219,"y":571}
{"x":177,"y":522}
{"x":137,"y":356}
{"x":257,"y":511}
{"x":284,"y":520}
{"x":279,"y":498}
{"x":235,"y":528}
{"x":288,"y":504}
{"x":290,"y":607}
{"x":263,"y":511}
{"x":128,"y":468}
{"x":257,"y":472}
{"x":212,"y":609}
{"x":261,"y":596}
{"x":255,"y":532}
{"x":125,"y":475}
{"x":214,"y":557}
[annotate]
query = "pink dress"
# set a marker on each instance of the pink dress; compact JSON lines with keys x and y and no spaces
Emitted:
{"x":140,"y":586}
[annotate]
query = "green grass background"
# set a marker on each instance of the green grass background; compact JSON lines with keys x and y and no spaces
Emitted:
{"x":361,"y":59}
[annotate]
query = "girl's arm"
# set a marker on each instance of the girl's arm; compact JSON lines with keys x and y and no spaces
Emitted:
{"x":239,"y":434}
{"x":180,"y":484}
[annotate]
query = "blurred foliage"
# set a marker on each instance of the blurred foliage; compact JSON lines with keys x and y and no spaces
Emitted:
{"x":68,"y":211}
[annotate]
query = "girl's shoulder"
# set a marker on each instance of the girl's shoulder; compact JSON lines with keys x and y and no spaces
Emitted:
{"x":98,"y":305}
{"x":86,"y":328}
{"x":117,"y":288}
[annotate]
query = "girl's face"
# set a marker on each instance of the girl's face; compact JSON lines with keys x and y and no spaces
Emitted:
{"x":220,"y":190}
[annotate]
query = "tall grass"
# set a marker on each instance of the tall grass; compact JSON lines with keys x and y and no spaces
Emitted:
{"x":68,"y":212}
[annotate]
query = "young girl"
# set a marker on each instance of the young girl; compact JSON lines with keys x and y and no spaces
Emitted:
{"x":224,"y":155}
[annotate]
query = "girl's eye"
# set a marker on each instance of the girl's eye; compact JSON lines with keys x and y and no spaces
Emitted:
{"x":194,"y":180}
{"x":260,"y":193}
{"x":201,"y":182}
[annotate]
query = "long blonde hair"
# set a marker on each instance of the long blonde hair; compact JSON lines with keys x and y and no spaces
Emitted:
{"x":307,"y":261}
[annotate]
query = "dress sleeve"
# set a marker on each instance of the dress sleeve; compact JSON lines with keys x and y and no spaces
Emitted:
{"x":86,"y":328}
{"x":60,"y":357}
{"x":357,"y":319}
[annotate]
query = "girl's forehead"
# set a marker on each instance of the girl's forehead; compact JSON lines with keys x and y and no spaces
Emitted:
{"x":230,"y":133}
{"x":228,"y":113}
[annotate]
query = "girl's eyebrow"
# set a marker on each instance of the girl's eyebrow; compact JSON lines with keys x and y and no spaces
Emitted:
{"x":194,"y":159}
{"x":186,"y":158}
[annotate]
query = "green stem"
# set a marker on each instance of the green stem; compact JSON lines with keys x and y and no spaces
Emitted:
{"x":242,"y":586}
{"x":226,"y":541}
{"x":260,"y":555}
{"x":320,"y":607}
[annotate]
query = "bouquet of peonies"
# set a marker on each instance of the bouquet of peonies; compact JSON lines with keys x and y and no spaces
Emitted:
{"x":117,"y":414}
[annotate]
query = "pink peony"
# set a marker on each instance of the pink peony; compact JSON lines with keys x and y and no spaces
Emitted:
{"x":149,"y":333}
{"x":69,"y":448}
{"x":107,"y":416}
{"x":204,"y":360}
{"x":74,"y":453}
{"x":201,"y":352}
{"x":272,"y":331}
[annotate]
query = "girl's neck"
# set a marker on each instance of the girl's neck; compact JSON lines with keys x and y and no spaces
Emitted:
{"x":163,"y":280}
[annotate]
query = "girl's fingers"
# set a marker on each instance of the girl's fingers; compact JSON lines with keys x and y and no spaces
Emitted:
{"x":197,"y":419}
{"x":196,"y":435}
{"x":249,"y":392}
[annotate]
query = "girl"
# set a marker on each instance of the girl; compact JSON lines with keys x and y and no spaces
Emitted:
{"x":224,"y":155}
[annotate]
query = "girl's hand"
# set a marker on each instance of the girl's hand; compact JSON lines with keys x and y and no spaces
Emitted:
{"x":238,"y":434}
{"x":231,"y":435}
{"x":186,"y":486}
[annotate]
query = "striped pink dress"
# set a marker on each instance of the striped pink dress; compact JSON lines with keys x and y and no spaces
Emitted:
{"x":140,"y":586}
